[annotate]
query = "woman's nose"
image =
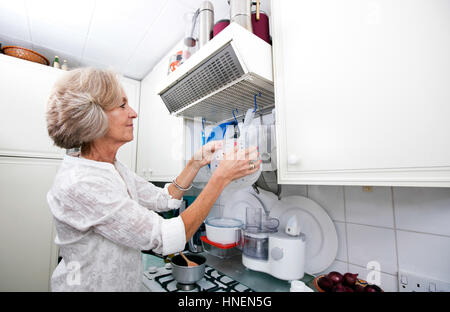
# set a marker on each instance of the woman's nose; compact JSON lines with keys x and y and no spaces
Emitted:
{"x":133,"y":114}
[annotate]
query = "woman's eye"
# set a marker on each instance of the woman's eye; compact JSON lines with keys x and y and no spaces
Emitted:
{"x":123,"y":105}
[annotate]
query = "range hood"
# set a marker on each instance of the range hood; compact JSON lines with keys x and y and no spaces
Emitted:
{"x":222,"y":76}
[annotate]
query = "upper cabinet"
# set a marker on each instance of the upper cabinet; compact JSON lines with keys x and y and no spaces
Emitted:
{"x":25,"y":87}
{"x":362,"y":92}
{"x":160,"y":151}
{"x":127,"y":152}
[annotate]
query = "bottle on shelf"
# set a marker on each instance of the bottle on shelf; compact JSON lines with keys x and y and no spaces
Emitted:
{"x":56,"y":62}
{"x":64,"y":65}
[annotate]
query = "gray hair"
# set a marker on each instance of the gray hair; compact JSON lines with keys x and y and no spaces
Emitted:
{"x":77,"y":104}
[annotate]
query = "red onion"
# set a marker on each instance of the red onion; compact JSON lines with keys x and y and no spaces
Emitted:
{"x":378,"y":289}
{"x":369,"y":288}
{"x":349,"y":279}
{"x":359,"y":288}
{"x":325,"y":283}
{"x":338,"y":288}
{"x":335,"y":277}
{"x":348,"y":289}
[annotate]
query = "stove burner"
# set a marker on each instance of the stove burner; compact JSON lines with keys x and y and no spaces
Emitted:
{"x":212,"y":281}
{"x":187,"y":287}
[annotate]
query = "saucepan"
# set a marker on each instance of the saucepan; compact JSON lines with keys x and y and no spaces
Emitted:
{"x":188,"y":275}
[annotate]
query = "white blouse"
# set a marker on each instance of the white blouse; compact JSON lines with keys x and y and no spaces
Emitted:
{"x":103,"y":217}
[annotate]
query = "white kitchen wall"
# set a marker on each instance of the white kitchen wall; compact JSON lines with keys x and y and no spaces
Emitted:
{"x":399,"y":227}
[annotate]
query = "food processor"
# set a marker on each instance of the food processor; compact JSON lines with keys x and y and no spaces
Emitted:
{"x":265,"y":249}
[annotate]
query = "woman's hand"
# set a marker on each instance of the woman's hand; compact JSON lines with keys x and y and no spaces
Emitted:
{"x":203,"y":156}
{"x":238,"y":163}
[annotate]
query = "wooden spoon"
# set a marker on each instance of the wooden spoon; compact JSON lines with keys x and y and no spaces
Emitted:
{"x":189,"y":262}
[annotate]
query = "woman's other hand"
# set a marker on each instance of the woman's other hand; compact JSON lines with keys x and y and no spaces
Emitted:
{"x":203,"y":156}
{"x":238,"y":163}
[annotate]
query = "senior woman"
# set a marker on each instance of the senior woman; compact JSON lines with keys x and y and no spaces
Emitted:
{"x":104,"y":213}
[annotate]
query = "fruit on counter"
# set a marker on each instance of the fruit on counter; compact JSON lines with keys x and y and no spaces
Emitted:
{"x":348,"y":289}
{"x":338,"y":288}
{"x":335,"y":277}
{"x":349,"y":279}
{"x":336,"y":282}
{"x":372,"y":288}
{"x":325,"y":283}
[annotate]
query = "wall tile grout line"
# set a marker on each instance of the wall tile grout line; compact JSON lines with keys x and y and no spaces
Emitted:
{"x":359,"y":265}
{"x":425,"y":233}
{"x":346,"y":223}
{"x":395,"y":230}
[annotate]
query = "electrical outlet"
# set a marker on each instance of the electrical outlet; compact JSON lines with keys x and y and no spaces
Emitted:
{"x":410,"y":282}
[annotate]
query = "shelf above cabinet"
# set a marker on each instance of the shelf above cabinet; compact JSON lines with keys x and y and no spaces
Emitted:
{"x":222,"y":76}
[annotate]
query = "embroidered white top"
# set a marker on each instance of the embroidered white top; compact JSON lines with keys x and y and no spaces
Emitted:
{"x":104,"y":216}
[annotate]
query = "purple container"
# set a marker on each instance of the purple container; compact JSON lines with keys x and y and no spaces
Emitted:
{"x":219,"y":26}
{"x":261,"y":27}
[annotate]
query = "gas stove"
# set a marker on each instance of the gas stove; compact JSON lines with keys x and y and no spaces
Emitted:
{"x":161,"y":280}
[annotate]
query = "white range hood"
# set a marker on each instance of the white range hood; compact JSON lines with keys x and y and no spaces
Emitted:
{"x":224,"y":75}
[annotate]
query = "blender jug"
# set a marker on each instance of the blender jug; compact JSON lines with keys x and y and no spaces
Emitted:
{"x":255,"y":235}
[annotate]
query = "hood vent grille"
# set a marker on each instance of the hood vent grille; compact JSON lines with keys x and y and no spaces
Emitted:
{"x":216,"y":72}
{"x":224,"y":75}
{"x":237,"y":95}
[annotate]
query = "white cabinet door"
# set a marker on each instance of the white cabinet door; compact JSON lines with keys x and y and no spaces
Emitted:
{"x":24,"y":90}
{"x":161,"y":136}
{"x":362,"y":92}
{"x":27,"y":249}
{"x":127,"y":152}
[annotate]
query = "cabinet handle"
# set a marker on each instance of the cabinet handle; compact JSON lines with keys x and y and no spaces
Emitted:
{"x":292,"y":159}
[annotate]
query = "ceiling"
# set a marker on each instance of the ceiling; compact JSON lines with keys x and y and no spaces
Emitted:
{"x":129,"y":36}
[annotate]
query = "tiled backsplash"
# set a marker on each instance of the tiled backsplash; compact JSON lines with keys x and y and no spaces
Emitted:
{"x":401,"y":228}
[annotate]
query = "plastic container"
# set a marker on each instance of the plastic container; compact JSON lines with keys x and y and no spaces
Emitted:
{"x":223,"y":230}
{"x":219,"y":250}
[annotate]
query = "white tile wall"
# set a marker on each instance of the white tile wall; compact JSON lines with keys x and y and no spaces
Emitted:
{"x":423,"y":209}
{"x":331,"y":198}
{"x":401,"y":228}
{"x":368,"y":243}
{"x":426,"y":254}
{"x":388,"y":282}
{"x":342,"y":241}
{"x":371,"y":208}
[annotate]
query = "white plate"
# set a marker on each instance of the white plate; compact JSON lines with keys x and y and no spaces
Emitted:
{"x":236,"y":207}
{"x":321,"y":236}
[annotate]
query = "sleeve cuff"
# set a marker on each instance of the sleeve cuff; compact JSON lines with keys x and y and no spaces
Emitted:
{"x":172,"y":203}
{"x":173,"y":235}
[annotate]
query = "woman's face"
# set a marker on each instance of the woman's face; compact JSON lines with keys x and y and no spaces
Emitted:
{"x":121,"y":121}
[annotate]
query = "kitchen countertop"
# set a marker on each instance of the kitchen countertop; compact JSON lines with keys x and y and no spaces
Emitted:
{"x":258,"y":281}
{"x":233,"y":267}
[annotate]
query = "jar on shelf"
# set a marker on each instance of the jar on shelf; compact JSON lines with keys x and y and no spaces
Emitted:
{"x":64,"y":65}
{"x":56,"y":62}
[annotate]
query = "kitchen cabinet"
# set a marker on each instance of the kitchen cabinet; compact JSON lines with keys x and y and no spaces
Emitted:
{"x":161,"y":135}
{"x":29,"y":254}
{"x":361,"y":92}
{"x":25,"y":90}
{"x":25,"y":87}
{"x":127,"y":152}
